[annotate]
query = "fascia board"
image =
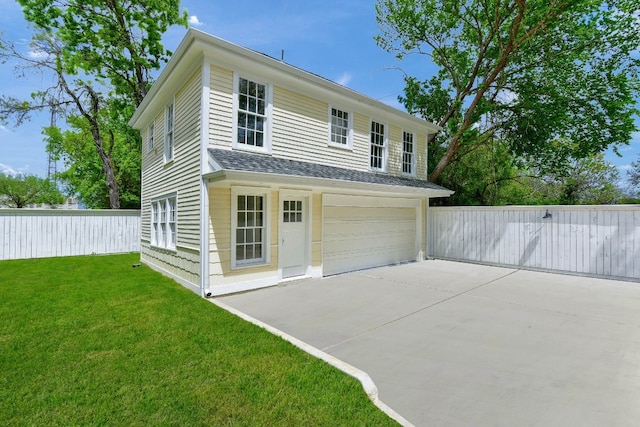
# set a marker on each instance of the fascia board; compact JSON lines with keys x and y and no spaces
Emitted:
{"x":179,"y":60}
{"x":321,"y":183}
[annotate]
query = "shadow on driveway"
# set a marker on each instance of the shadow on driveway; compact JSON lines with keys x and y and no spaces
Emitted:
{"x":454,"y":344}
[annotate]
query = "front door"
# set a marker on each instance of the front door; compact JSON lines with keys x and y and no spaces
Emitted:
{"x":293,"y":236}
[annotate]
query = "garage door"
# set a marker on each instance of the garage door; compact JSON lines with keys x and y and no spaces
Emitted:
{"x":363,"y":232}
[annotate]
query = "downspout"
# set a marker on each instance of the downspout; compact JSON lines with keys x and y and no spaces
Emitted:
{"x":204,"y":182}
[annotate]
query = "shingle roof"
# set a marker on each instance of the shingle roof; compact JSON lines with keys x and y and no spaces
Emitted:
{"x":241,"y":161}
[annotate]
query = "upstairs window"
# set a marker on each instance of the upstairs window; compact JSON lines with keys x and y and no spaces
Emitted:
{"x":168,"y":134}
{"x":340,"y":128}
{"x":252,"y":114}
{"x":151,"y":136}
{"x":164,"y":222}
{"x":378,"y":146}
{"x":408,"y":156}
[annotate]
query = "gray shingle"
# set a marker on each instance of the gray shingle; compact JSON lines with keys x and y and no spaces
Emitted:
{"x":249,"y":162}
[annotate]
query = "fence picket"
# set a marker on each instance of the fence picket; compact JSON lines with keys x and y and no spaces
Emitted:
{"x":593,"y":240}
{"x":31,"y":233}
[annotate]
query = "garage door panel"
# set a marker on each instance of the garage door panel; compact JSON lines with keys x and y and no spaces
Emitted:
{"x":343,"y":229}
{"x":349,"y":242}
{"x":357,"y":237}
{"x":373,"y":213}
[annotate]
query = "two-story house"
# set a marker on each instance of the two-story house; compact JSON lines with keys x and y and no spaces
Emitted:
{"x":255,"y":171}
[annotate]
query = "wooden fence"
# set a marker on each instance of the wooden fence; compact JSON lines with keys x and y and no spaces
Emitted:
{"x":601,"y":241}
{"x":31,"y":233}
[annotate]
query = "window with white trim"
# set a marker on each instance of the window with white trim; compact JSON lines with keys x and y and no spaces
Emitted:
{"x":408,"y":153}
{"x":164,"y":222}
{"x":151,"y":136}
{"x":168,"y":133}
{"x":378,"y":146}
{"x":340,"y":127}
{"x":252,"y":114}
{"x":250,"y":231}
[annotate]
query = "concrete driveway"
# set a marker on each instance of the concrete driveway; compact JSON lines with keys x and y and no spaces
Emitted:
{"x":454,"y":344}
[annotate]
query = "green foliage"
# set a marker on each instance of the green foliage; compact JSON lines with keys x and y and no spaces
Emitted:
{"x":23,"y":190}
{"x":84,"y":173}
{"x":634,"y":176}
{"x":102,"y":54}
{"x":113,"y":345}
{"x":117,"y":42}
{"x":530,"y":73}
{"x":491,"y":176}
{"x":589,"y":181}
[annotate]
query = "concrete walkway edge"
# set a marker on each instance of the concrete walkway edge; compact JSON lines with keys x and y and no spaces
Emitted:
{"x":367,"y":383}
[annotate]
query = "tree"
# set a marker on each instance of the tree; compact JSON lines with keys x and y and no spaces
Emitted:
{"x":101,"y":53}
{"x":490,"y":175}
{"x":529,"y":73}
{"x":23,"y":190}
{"x":83,"y":174}
{"x":634,"y":176}
{"x":587,"y":181}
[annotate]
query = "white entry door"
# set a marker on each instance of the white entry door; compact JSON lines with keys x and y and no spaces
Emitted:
{"x":293,"y":236}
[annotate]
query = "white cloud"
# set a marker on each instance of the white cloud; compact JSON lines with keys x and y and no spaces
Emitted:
{"x":623,"y":168}
{"x":38,"y":54}
{"x":8,"y":170}
{"x":194,"y":21}
{"x":344,"y":79}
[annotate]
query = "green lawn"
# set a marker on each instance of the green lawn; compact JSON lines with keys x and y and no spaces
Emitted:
{"x":94,"y":341}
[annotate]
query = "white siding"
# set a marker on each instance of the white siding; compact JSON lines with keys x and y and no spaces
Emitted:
{"x":300,"y":129}
{"x":593,"y":240}
{"x":26,"y":233}
{"x":181,"y":176}
{"x":221,"y":107}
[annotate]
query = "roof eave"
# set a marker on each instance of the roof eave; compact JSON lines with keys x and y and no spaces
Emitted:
{"x":272,"y":179}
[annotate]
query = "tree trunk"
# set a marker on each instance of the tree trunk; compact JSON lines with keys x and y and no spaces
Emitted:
{"x":107,"y":167}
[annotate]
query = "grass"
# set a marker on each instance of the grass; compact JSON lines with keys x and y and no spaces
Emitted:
{"x":94,"y":341}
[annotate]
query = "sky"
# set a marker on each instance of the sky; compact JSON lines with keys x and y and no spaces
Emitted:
{"x":331,"y":38}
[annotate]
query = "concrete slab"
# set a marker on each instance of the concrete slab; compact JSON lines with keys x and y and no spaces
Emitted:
{"x":455,"y":344}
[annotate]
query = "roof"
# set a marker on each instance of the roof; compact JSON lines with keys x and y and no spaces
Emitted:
{"x":233,"y":160}
{"x":198,"y":47}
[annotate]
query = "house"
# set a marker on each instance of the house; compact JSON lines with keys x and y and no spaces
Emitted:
{"x":255,"y":171}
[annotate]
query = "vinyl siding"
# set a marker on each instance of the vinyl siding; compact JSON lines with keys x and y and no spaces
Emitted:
{"x":180,"y":176}
{"x":221,"y":107}
{"x":301,"y":132}
{"x":394,"y":151}
{"x":300,"y":128}
{"x":220,"y":272}
{"x":421,"y":160}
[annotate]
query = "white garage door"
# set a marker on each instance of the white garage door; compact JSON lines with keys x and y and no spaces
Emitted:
{"x":363,"y":232}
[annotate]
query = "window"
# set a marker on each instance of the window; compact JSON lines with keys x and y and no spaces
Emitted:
{"x":340,"y":132}
{"x":292,"y":211}
{"x":252,"y":114}
{"x":378,"y":146}
{"x":168,"y":136}
{"x":151,"y":136}
{"x":407,"y":153}
{"x":164,"y":222}
{"x":250,"y":233}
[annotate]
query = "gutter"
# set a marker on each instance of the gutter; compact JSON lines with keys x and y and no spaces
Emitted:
{"x":328,"y":183}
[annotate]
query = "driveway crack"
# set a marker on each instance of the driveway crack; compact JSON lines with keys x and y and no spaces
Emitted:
{"x":328,"y":348}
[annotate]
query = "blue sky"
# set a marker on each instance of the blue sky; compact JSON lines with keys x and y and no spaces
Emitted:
{"x":330,"y":38}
